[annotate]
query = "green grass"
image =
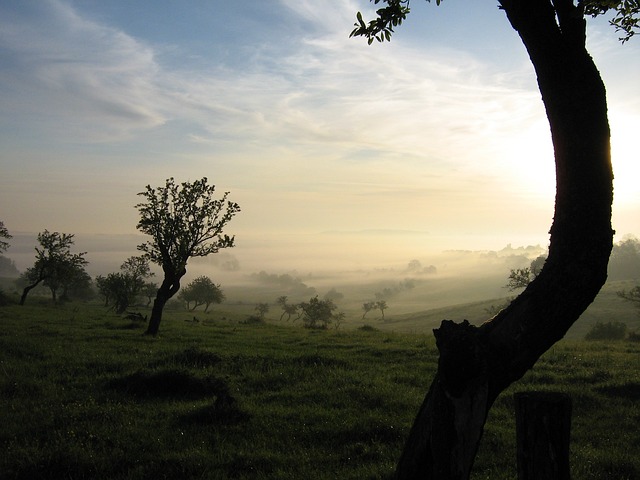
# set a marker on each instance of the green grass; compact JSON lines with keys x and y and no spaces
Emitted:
{"x":84,"y":394}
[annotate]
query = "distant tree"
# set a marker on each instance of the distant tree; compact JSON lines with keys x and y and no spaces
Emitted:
{"x":104,"y":289}
{"x":334,"y":295}
{"x":624,"y":263}
{"x":632,"y":296}
{"x":183,"y":221}
{"x":414,"y":265}
{"x":519,"y":278}
{"x":607,"y":331}
{"x":55,"y":264}
{"x":262,"y":309}
{"x":79,"y":286}
{"x":8,"y":267}
{"x":121,"y":289}
{"x":149,"y":290}
{"x":317,"y":313}
{"x":522,"y":277}
{"x":287,"y":308}
{"x":69,"y":280}
{"x":367,"y":307}
{"x":382,"y":306}
{"x":4,"y":235}
{"x":201,"y":291}
{"x":281,"y":301}
{"x":338,"y":318}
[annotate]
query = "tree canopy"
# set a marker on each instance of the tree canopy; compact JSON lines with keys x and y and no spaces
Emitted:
{"x":4,"y":235}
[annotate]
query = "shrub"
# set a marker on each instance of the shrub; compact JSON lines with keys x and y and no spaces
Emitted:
{"x":253,"y":320}
{"x":607,"y":331}
{"x":367,"y":328}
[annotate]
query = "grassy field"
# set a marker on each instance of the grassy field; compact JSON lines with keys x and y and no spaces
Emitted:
{"x":84,"y":394}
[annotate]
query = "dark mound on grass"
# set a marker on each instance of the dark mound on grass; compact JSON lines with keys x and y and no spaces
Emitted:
{"x":196,"y":358}
{"x":629,"y":390}
{"x":170,"y":384}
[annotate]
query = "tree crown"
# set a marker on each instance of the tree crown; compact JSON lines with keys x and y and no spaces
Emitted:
{"x":184,"y":220}
{"x":4,"y":233}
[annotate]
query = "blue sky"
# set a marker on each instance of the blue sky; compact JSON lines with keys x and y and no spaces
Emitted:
{"x":436,"y":140}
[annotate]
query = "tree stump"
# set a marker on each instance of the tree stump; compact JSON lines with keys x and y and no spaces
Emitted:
{"x":543,"y":429}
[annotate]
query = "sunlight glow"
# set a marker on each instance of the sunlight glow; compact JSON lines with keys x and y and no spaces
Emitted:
{"x":625,"y":157}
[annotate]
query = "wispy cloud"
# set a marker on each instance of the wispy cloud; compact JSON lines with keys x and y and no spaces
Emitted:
{"x":76,"y":77}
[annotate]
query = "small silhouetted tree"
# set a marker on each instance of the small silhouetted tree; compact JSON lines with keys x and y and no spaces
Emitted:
{"x":262,"y":309}
{"x":4,"y":236}
{"x":287,"y":308}
{"x":184,"y":220}
{"x":367,"y":307}
{"x":8,"y":267}
{"x":75,"y":284}
{"x":632,"y":296}
{"x":521,"y":277}
{"x":201,"y":291}
{"x":317,"y":313}
{"x":624,"y":263}
{"x":382,"y":306}
{"x":121,"y":289}
{"x":54,"y":264}
{"x":149,"y":290}
{"x":334,"y":295}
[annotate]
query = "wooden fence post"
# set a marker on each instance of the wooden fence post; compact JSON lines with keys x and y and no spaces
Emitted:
{"x":543,"y":429}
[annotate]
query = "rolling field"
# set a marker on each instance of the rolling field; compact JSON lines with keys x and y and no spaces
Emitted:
{"x":84,"y":394}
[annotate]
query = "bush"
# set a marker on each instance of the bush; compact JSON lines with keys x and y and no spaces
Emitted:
{"x":253,"y":320}
{"x":367,"y":328}
{"x":607,"y":331}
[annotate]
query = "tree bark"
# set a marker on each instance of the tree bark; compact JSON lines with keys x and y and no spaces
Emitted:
{"x":543,"y":431}
{"x":27,"y":289}
{"x":477,"y":363}
{"x":25,"y":292}
{"x":170,"y":286}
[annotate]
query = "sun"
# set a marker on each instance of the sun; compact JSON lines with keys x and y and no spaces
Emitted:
{"x":625,"y":157}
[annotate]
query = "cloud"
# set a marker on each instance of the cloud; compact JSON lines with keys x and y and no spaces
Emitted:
{"x":74,"y":76}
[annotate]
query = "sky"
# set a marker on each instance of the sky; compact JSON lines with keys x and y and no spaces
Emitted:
{"x":336,"y":151}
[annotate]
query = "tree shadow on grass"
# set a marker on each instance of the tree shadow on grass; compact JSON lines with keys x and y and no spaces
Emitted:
{"x":170,"y":384}
{"x":629,"y":390}
{"x":193,"y":357}
{"x":174,"y":384}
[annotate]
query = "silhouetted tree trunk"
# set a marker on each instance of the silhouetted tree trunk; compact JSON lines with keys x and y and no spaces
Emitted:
{"x":477,"y":363}
{"x":26,"y":290}
{"x":170,"y":286}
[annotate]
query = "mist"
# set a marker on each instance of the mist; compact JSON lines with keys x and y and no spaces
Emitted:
{"x":411,"y":271}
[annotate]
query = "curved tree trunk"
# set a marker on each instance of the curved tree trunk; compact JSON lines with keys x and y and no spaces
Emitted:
{"x":170,"y":286}
{"x":477,"y":364}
